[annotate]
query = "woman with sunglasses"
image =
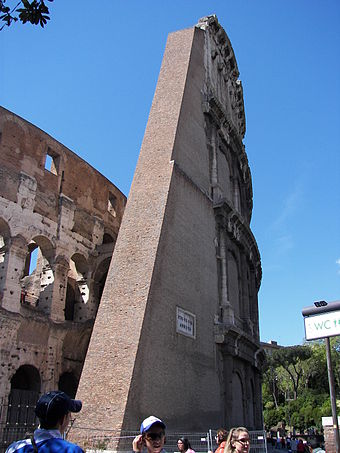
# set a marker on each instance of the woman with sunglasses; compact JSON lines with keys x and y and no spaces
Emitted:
{"x":184,"y":445}
{"x":238,"y":440}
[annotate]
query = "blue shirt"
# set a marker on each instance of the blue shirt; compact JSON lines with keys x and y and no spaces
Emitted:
{"x":47,"y":440}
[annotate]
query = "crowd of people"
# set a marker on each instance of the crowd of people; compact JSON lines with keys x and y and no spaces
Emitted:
{"x":152,"y":437}
{"x":294,"y":444}
{"x":54,"y":409}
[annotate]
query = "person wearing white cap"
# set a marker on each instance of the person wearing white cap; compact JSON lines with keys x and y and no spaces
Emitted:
{"x":152,"y":436}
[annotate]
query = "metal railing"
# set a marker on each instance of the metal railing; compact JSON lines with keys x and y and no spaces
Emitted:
{"x":18,"y":421}
{"x":201,"y":442}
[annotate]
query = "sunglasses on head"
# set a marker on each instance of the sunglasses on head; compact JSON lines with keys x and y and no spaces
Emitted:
{"x":154,"y":436}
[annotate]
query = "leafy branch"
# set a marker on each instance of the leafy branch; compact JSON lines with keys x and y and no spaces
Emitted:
{"x":35,"y":12}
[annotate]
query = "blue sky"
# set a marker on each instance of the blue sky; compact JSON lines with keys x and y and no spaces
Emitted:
{"x":88,"y":80}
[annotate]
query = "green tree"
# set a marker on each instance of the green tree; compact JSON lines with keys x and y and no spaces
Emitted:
{"x":293,"y":361}
{"x":295,"y":385}
{"x":35,"y":12}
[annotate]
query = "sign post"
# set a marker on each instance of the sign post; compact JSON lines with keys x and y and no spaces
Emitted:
{"x":323,"y":321}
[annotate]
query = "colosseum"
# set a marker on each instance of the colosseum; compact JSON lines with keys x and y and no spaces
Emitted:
{"x":179,"y":311}
{"x":59,"y":220}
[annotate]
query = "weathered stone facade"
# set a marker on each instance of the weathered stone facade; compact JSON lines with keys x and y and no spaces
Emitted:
{"x":59,"y":220}
{"x":177,"y":331}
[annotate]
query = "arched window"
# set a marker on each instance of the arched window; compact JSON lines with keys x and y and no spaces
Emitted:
{"x":237,"y":409}
{"x":107,"y":238}
{"x":77,"y":293}
{"x":4,"y":245}
{"x":233,"y":284}
{"x":25,"y":389}
{"x":252,"y":411}
{"x":68,"y":384}
{"x":38,"y":278}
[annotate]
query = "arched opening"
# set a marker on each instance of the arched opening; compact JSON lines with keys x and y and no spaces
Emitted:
{"x":77,"y":293}
{"x":107,"y":238}
{"x":25,"y":390}
{"x":38,"y":278}
{"x":68,"y":384}
{"x":70,"y":302}
{"x":252,"y":406}
{"x":237,"y":392}
{"x":99,"y":282}
{"x":5,"y":236}
{"x":233,"y":283}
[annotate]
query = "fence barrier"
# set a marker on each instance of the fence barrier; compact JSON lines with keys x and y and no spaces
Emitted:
{"x":18,"y":421}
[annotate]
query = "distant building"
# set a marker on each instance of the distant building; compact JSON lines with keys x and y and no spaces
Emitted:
{"x":270,"y":347}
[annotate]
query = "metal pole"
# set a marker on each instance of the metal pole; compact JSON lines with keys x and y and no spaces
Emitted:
{"x":332,"y":395}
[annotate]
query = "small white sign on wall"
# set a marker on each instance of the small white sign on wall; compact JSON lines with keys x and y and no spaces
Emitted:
{"x":185,"y":323}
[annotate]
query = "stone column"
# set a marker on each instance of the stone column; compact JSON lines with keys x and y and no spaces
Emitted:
{"x":16,"y":263}
{"x":60,"y":269}
{"x":227,"y":310}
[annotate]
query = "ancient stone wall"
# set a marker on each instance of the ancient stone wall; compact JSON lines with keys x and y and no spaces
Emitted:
{"x":59,"y":221}
{"x":184,"y":342}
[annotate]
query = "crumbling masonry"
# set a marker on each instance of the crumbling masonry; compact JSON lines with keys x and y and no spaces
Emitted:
{"x":59,"y":220}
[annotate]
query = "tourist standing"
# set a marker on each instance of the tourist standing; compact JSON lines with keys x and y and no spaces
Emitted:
{"x":53,"y":410}
{"x":293,"y":445}
{"x":221,"y":440}
{"x":152,"y":436}
{"x":184,"y":446}
{"x":238,"y":440}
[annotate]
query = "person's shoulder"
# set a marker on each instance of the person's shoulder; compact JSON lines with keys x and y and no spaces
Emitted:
{"x":70,"y":447}
{"x":20,"y":446}
{"x":56,"y":445}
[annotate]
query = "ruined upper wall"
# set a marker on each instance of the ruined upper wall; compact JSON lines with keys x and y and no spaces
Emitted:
{"x":36,"y":169}
{"x":222,"y":74}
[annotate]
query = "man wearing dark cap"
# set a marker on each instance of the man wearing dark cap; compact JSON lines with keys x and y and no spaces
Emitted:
{"x":152,"y":436}
{"x":53,"y":410}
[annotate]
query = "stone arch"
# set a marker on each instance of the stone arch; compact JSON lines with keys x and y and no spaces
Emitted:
{"x":107,"y":238}
{"x":99,"y":280}
{"x":252,"y":405}
{"x":25,"y":390}
{"x":233,"y":283}
{"x":68,"y":383}
{"x":76,"y":355}
{"x":5,"y":241}
{"x":224,"y":173}
{"x":77,"y":292}
{"x":38,"y":276}
{"x":238,"y":397}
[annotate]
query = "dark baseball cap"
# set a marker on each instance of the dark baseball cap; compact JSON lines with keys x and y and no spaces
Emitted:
{"x":56,"y":404}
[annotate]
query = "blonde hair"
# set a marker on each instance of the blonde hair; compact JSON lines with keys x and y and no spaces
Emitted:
{"x":234,"y":435}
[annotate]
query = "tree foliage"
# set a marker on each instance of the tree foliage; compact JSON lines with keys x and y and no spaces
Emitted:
{"x":295,"y":385}
{"x":34,"y":12}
